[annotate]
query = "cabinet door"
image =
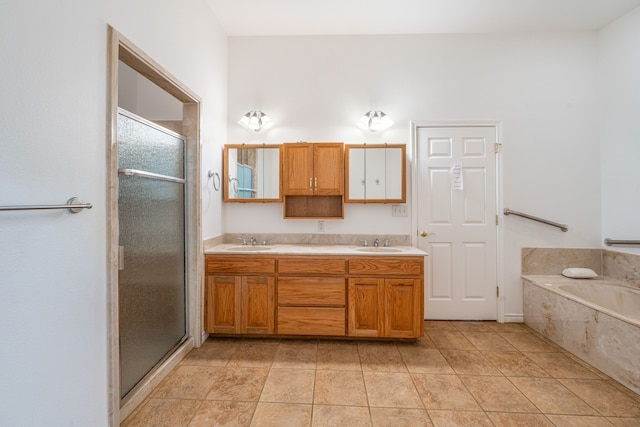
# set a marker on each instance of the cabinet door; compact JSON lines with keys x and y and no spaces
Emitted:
{"x":328,"y":169}
{"x":298,"y":169}
{"x":366,"y":307}
{"x":223,"y":304}
{"x":258,"y":307}
{"x":403,"y":308}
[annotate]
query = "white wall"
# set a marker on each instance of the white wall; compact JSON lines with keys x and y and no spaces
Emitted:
{"x":542,"y":87}
{"x":619,"y":58}
{"x":53,"y":284}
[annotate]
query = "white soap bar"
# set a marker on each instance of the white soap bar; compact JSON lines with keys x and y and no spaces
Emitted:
{"x":579,"y":273}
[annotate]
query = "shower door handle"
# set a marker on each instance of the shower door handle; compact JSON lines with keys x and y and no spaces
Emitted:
{"x":120,"y":258}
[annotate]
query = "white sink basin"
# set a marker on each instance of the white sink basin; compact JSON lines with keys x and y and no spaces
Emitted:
{"x":248,"y":248}
{"x":378,"y":249}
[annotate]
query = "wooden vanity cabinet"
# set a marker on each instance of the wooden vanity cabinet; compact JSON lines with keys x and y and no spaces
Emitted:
{"x":308,"y":295}
{"x":311,"y":296}
{"x":240,"y":295}
{"x":386,"y":297}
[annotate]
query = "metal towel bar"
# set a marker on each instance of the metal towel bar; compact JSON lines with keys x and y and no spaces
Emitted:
{"x":74,"y":205}
{"x":151,"y":175}
{"x":563,"y":227}
{"x":610,"y":242}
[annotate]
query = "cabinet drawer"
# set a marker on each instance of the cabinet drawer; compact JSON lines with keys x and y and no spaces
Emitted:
{"x":311,"y":291}
{"x":240,"y":264}
{"x":408,"y":266}
{"x":311,"y":265}
{"x":311,"y":321}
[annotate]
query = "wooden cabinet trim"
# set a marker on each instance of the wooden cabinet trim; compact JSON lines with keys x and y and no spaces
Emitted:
{"x":397,"y":266}
{"x":311,"y":291}
{"x":366,"y":307}
{"x":240,"y":264}
{"x":311,"y":321}
{"x":312,"y":265}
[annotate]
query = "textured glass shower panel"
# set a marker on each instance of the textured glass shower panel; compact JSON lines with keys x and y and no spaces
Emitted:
{"x":152,"y":232}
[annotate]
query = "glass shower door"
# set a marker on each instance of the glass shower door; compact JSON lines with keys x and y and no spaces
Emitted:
{"x":152,"y":291}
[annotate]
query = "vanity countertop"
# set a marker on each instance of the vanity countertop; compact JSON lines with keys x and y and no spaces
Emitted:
{"x":314,"y":249}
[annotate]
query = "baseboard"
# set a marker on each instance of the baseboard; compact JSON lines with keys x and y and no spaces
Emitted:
{"x":513,"y":318}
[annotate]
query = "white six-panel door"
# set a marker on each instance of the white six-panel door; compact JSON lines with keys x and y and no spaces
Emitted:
{"x":456,"y":219}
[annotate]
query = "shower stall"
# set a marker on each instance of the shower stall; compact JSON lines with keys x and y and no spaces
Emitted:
{"x":152,"y":243}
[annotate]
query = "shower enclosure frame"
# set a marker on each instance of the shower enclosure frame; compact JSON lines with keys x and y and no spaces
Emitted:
{"x":121,"y":49}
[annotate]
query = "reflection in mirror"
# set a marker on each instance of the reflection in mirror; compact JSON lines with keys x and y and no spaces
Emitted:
{"x":376,"y":173}
{"x":252,"y":173}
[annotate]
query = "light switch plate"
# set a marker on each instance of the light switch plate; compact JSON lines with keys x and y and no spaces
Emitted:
{"x":399,"y":210}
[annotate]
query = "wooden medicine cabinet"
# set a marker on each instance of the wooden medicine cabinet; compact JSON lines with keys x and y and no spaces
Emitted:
{"x":375,"y":173}
{"x":313,"y":180}
{"x":252,"y":173}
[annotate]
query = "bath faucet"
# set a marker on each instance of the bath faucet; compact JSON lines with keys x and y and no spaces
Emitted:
{"x":244,"y":241}
{"x":253,"y":241}
{"x":364,"y":242}
{"x":376,"y":243}
{"x":387,"y":242}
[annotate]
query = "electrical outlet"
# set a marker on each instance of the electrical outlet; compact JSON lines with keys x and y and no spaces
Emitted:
{"x":399,"y":210}
{"x":321,"y":226}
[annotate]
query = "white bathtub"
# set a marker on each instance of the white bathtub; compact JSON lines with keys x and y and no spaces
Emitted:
{"x":597,"y":320}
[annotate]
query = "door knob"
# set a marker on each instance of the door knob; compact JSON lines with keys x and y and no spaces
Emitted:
{"x":424,"y":233}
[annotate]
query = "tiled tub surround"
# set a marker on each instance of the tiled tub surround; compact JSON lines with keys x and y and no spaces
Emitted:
{"x":605,"y":336}
{"x":554,"y":260}
{"x":611,"y":264}
{"x":621,"y":266}
{"x":595,"y":322}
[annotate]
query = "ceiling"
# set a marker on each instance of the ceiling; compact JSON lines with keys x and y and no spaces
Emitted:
{"x":325,"y":17}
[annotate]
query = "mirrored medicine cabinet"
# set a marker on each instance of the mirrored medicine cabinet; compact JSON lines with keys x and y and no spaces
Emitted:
{"x":252,"y":173}
{"x":375,"y":173}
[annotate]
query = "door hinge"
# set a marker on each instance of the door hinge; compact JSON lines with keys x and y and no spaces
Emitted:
{"x":497,"y":219}
{"x":497,"y":291}
{"x":496,"y":147}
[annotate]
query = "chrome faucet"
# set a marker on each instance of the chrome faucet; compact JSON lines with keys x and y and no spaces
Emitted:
{"x":253,"y":241}
{"x":364,"y":242}
{"x":376,"y":242}
{"x":387,"y":242}
{"x":244,"y":241}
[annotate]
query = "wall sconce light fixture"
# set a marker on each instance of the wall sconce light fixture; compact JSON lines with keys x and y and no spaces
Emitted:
{"x":255,"y":120}
{"x":375,"y":120}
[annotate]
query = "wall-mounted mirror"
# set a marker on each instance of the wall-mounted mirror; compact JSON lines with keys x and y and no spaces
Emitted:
{"x":375,"y":173}
{"x":252,"y":173}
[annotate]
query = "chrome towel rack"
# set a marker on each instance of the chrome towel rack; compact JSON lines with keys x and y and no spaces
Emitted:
{"x":151,"y":175}
{"x":73,"y":205}
{"x":610,"y":242}
{"x":563,"y":227}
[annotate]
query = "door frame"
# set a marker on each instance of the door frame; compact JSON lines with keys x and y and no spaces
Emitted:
{"x":121,"y":49}
{"x":497,"y":125}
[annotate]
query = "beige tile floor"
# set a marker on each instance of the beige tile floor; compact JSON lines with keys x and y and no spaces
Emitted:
{"x":459,"y":374}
